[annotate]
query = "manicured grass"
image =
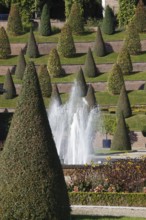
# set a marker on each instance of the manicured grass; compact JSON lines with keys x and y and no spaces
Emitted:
{"x":104,"y":218}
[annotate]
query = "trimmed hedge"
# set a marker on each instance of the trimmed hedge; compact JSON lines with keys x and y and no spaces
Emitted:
{"x":5,"y":48}
{"x":109,"y":199}
{"x":45,"y":24}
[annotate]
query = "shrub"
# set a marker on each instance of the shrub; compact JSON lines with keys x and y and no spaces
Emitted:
{"x":115,"y":80}
{"x":45,"y":81}
{"x":66,"y":46}
{"x":81,"y":83}
{"x":21,"y":64}
{"x":99,"y":46}
{"x":90,"y":97}
{"x":132,"y":39}
{"x":54,"y":65}
{"x":32,"y":184}
{"x":45,"y":24}
{"x":76,"y":20}
{"x":124,"y":61}
{"x":5,"y":49}
{"x":124,"y":104}
{"x":108,"y":21}
{"x":90,"y":69}
{"x":14,"y":25}
{"x":121,"y":139}
{"x":55,"y":96}
{"x":32,"y":47}
{"x":9,"y":87}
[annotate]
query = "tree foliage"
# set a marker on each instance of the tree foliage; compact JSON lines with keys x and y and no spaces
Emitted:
{"x":81,"y":83}
{"x":108,"y":26}
{"x":5,"y":49}
{"x":99,"y":46}
{"x":66,"y":46}
{"x":90,"y":97}
{"x":32,"y":50}
{"x":32,"y":184}
{"x":45,"y":24}
{"x":9,"y":87}
{"x":140,"y":16}
{"x":21,"y":64}
{"x":90,"y":69}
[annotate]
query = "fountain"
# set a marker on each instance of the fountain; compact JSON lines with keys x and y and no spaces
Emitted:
{"x":74,"y":126}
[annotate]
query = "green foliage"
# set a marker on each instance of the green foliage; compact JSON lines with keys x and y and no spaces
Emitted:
{"x":115,"y":80}
{"x":108,"y":26}
{"x":21,"y":64}
{"x":45,"y":24}
{"x":5,"y":49}
{"x":14,"y":25}
{"x":45,"y":81}
{"x":32,"y":184}
{"x":109,"y":124}
{"x":66,"y":46}
{"x":124,"y":61}
{"x":140,"y":16}
{"x":121,"y":139}
{"x":55,"y":96}
{"x":124,"y":104}
{"x":81,"y":83}
{"x":9,"y":87}
{"x":90,"y":69}
{"x":126,"y":11}
{"x":76,"y":20}
{"x":32,"y":50}
{"x":132,"y":39}
{"x":90,"y":97}
{"x":99,"y":46}
{"x":54,"y":65}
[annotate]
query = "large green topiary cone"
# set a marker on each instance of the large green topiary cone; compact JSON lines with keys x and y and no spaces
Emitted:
{"x":99,"y":46}
{"x":32,"y":50}
{"x":20,"y":68}
{"x":90,"y":69}
{"x":81,"y":83}
{"x":32,"y":184}
{"x":90,"y":97}
{"x":9,"y":87}
{"x":45,"y":24}
{"x":5,"y":48}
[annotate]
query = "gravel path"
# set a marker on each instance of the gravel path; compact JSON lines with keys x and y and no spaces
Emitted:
{"x":109,"y":211}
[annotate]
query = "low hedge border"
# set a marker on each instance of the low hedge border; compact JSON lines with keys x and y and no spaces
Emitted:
{"x":108,"y":199}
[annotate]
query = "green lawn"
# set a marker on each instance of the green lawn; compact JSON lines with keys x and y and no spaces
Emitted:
{"x":105,"y":218}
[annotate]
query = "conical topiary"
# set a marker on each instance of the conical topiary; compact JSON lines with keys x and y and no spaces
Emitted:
{"x":140,"y":16}
{"x":21,"y":64}
{"x":121,"y":139}
{"x":99,"y":46}
{"x":124,"y":104}
{"x":115,"y":80}
{"x":32,"y":50}
{"x":5,"y":49}
{"x":132,"y":39}
{"x":81,"y":83}
{"x":32,"y":184}
{"x":124,"y":61}
{"x":54,"y":64}
{"x":45,"y":81}
{"x":108,"y":26}
{"x":9,"y":87}
{"x":90,"y":97}
{"x":14,"y":25}
{"x":45,"y":24}
{"x":90,"y":69}
{"x":55,"y":96}
{"x":66,"y":46}
{"x":76,"y":20}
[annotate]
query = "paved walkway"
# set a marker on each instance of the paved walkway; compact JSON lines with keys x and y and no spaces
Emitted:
{"x":109,"y":211}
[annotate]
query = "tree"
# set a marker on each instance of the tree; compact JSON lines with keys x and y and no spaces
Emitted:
{"x":109,"y":125}
{"x":124,"y":61}
{"x":9,"y":87}
{"x":124,"y":104}
{"x":55,"y":96}
{"x":45,"y":81}
{"x":108,"y":26}
{"x":45,"y":24}
{"x":21,"y":64}
{"x":5,"y":49}
{"x":90,"y":69}
{"x":76,"y":20}
{"x":32,"y":184}
{"x":54,"y":64}
{"x":99,"y":46}
{"x":140,"y":16}
{"x":14,"y":25}
{"x":81,"y":83}
{"x":121,"y":139}
{"x":115,"y":80}
{"x":132,"y":39}
{"x":90,"y":97}
{"x":66,"y":46}
{"x":126,"y":11}
{"x":32,"y":50}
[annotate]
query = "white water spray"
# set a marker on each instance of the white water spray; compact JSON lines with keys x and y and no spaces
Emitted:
{"x":73,"y":128}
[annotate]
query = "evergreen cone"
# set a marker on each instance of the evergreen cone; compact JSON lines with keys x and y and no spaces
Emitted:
{"x":20,"y":68}
{"x":81,"y":83}
{"x":5,"y":49}
{"x":99,"y":47}
{"x":140,"y":16}
{"x":45,"y":24}
{"x":90,"y":69}
{"x":90,"y":97}
{"x":32,"y":184}
{"x":9,"y":87}
{"x":108,"y":26}
{"x":32,"y":47}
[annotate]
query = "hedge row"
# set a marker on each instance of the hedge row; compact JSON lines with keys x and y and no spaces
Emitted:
{"x":108,"y":199}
